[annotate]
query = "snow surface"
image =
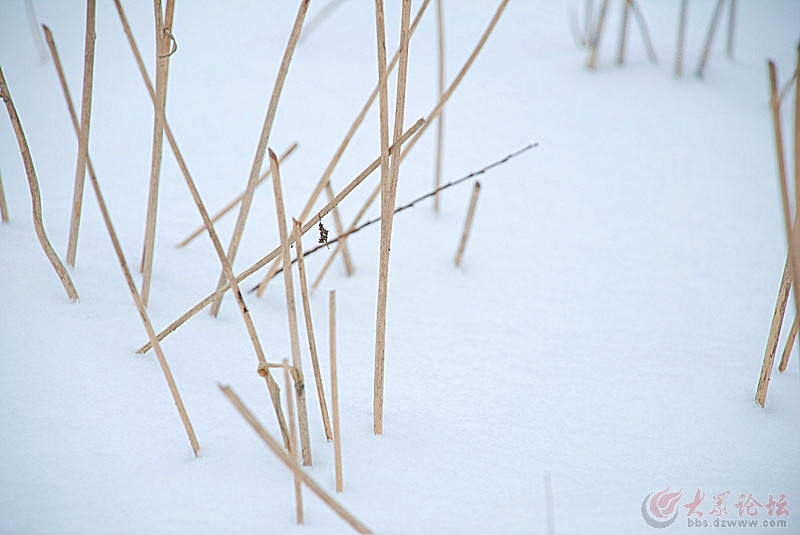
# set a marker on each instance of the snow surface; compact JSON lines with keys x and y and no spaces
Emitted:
{"x":607,"y":326}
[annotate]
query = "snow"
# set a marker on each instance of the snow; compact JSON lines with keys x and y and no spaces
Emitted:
{"x":607,"y":326}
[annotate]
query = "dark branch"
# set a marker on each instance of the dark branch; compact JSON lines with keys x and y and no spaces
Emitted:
{"x":413,"y":202}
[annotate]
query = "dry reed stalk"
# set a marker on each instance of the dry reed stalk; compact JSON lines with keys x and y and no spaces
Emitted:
{"x":793,"y":332}
{"x":228,"y":207}
{"x":712,"y":28}
{"x":36,"y":197}
{"x":791,"y":235}
{"x":431,"y":117}
{"x":163,"y":22}
{"x":596,"y":37}
{"x":244,"y":207}
{"x":293,"y":451}
{"x":731,"y":28}
{"x":312,"y":343}
{"x":440,"y":120}
{"x":140,"y":307}
{"x":275,"y":253}
{"x":299,"y":387}
{"x":388,"y":197}
{"x":272,"y":386}
{"x":651,"y":53}
{"x":83,"y":145}
{"x":621,"y":55}
{"x":326,"y":175}
{"x":162,"y":360}
{"x":787,"y":350}
{"x":793,"y":260}
{"x":3,"y":207}
{"x":681,"y":38}
{"x":468,"y":223}
{"x":337,"y":436}
{"x":774,"y":333}
{"x":295,"y":467}
{"x":385,"y":188}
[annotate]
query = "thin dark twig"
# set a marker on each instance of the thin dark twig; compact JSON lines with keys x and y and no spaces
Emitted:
{"x":410,"y":204}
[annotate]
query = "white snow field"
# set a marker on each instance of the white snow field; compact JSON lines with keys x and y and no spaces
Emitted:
{"x":606,"y":328}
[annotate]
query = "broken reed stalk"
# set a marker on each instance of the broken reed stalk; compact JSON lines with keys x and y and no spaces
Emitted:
{"x":140,"y":307}
{"x":275,"y":253}
{"x":787,"y":350}
{"x":388,"y":197}
{"x":228,"y":207}
{"x":712,"y":28}
{"x":3,"y":207}
{"x":36,"y":196}
{"x":681,"y":38}
{"x":295,"y":467}
{"x":272,"y":386}
{"x":731,"y":28}
{"x":326,"y":175}
{"x":621,"y":56}
{"x":651,"y":53}
{"x":163,"y":24}
{"x":337,"y":436}
{"x":468,"y":223}
{"x":793,"y":260}
{"x":299,"y":387}
{"x":596,"y":37}
{"x":440,"y":120}
{"x":312,"y":343}
{"x":244,"y":207}
{"x":774,"y":333}
{"x":410,"y":145}
{"x":293,"y":450}
{"x":83,"y":145}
